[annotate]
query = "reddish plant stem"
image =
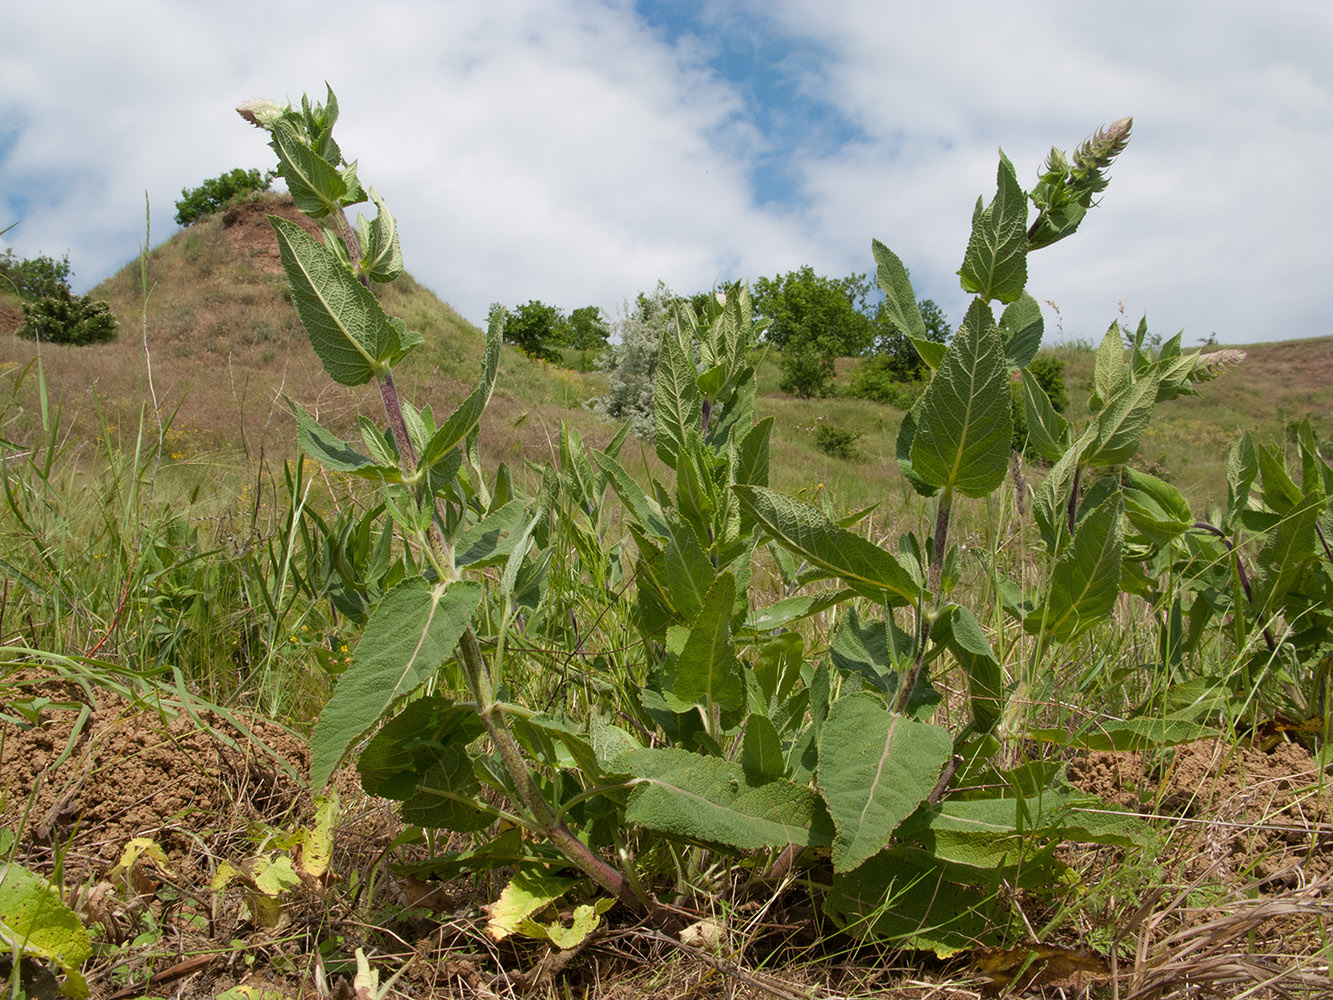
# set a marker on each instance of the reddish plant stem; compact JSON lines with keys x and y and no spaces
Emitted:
{"x":479,"y":679}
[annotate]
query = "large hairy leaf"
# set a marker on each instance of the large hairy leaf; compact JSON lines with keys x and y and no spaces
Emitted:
{"x":714,"y":800}
{"x":913,"y":905}
{"x":383,"y":257}
{"x":446,"y":795}
{"x":334,"y":453}
{"x":1086,"y":580}
{"x":348,"y":330}
{"x":965,"y":423}
{"x":807,"y":532}
{"x":899,"y":299}
{"x":410,"y":633}
{"x":676,"y":400}
{"x":1121,"y":424}
{"x":315,"y":184}
{"x":995,"y":265}
{"x":707,"y":672}
{"x":985,"y":676}
{"x":1048,"y":431}
{"x":405,"y":747}
{"x":1110,"y":371}
{"x":875,"y":768}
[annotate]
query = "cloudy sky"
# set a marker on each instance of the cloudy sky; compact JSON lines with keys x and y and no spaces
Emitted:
{"x":577,"y":151}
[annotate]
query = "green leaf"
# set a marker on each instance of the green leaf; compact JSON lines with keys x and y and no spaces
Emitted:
{"x":383,"y":260}
{"x":782,"y":613}
{"x":903,"y":452}
{"x":676,"y":401}
{"x":445,"y":797}
{"x":1288,"y":547}
{"x":752,"y":455}
{"x":865,"y":650}
{"x":712,"y":800}
{"x":647,"y":512}
{"x":333,"y":452}
{"x":808,"y":533}
{"x":931,"y":352}
{"x":899,"y":900}
{"x":965,"y":423}
{"x":315,"y":184}
{"x":1050,"y":504}
{"x":985,"y":677}
{"x":995,"y":265}
{"x":1126,"y":735}
{"x":411,"y":632}
{"x":491,"y":540}
{"x":347,"y":328}
{"x":404,"y":748}
{"x":468,"y":414}
{"x":875,"y":768}
{"x":1110,"y":371}
{"x":1280,"y":491}
{"x":1021,"y":327}
{"x":1086,"y":579}
{"x":707,"y":672}
{"x":899,"y":299}
{"x":1155,"y":507}
{"x":689,"y":573}
{"x":761,"y":751}
{"x":35,"y":922}
{"x":1048,"y":431}
{"x":1121,"y":425}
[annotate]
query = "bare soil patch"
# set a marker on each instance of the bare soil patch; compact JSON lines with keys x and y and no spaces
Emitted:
{"x":204,"y":790}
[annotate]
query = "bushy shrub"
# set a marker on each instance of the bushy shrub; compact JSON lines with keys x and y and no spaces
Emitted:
{"x":76,"y":320}
{"x":631,"y":365}
{"x":215,"y":193}
{"x":837,"y":442}
{"x":878,"y":378}
{"x":807,"y":368}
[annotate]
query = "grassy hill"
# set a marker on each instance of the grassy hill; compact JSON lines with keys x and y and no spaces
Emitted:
{"x":224,"y":343}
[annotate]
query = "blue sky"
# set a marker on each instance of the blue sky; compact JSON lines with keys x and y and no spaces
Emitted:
{"x":579,"y":151}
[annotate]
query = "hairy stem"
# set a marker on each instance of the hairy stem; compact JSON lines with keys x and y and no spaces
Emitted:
{"x":545,"y":820}
{"x":924,"y":617}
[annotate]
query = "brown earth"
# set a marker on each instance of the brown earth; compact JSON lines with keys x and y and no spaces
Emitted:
{"x":208,"y":790}
{"x":1239,"y":812}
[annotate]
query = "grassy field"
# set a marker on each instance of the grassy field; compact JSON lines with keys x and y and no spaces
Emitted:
{"x":175,"y":615}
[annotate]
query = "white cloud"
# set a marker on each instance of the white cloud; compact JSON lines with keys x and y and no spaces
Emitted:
{"x":562,"y":150}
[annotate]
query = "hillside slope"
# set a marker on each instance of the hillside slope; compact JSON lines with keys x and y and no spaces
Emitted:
{"x":224,"y":343}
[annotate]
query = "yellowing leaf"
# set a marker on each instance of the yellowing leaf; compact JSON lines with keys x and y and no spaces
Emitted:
{"x":527,"y":893}
{"x":317,"y":844}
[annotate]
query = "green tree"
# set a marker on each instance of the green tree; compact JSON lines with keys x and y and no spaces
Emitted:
{"x":215,"y":193}
{"x":586,"y":330}
{"x":813,"y":320}
{"x":52,"y":313}
{"x":534,"y":328}
{"x":36,"y":277}
{"x":807,"y":308}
